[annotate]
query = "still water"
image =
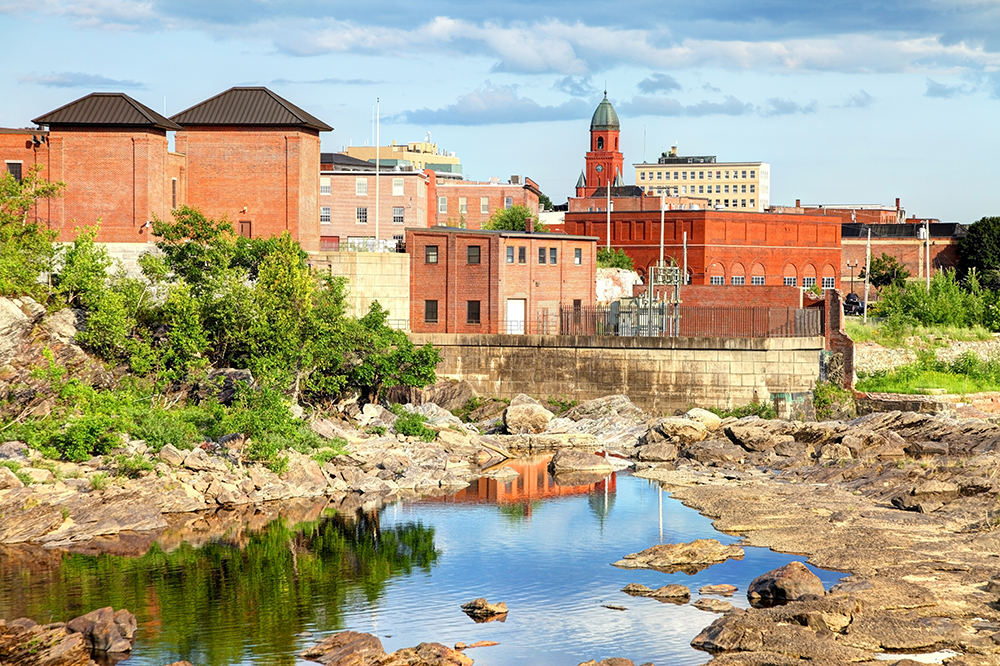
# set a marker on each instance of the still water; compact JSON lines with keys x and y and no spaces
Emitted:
{"x":403,"y":573}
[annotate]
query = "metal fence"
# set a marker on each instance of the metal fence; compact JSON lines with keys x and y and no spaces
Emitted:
{"x":662,"y":320}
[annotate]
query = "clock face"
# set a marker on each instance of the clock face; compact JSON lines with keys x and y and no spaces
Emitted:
{"x":599,"y":168}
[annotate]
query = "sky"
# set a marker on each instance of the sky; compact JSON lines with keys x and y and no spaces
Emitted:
{"x":849,"y":101}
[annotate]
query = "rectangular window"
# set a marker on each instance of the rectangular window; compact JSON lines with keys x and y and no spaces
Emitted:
{"x":431,"y":254}
{"x":508,"y":202}
{"x":829,"y":283}
{"x":14,"y":169}
{"x":541,"y":255}
{"x":743,"y":203}
{"x":684,"y":175}
{"x":578,"y":257}
{"x":701,"y":189}
{"x":718,"y":189}
{"x":808,"y":282}
{"x":553,"y":253}
{"x":757,"y":280}
{"x":510,"y":254}
{"x":659,"y":175}
{"x":710,"y":175}
{"x":463,"y":205}
{"x":472,"y":254}
{"x":522,"y":255}
{"x":361,"y":215}
{"x":684,"y":189}
{"x":397,"y":187}
{"x":173,"y":193}
{"x":752,"y":203}
{"x":472,"y":312}
{"x":725,"y":202}
{"x":725,"y":189}
{"x":743,"y":189}
{"x":727,"y":174}
{"x":789,"y":281}
{"x":642,"y":175}
{"x":717,"y":280}
{"x":430,"y":312}
{"x":701,"y":175}
{"x":484,"y":205}
{"x":753,"y":174}
{"x":324,"y":215}
{"x":324,"y":185}
{"x":752,"y":189}
{"x":442,"y":204}
{"x":397,"y":214}
{"x":738,"y":280}
{"x":744,"y":174}
{"x":361,"y":187}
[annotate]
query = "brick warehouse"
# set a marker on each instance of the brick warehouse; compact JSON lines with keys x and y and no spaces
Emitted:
{"x":465,"y":281}
{"x":246,"y":154}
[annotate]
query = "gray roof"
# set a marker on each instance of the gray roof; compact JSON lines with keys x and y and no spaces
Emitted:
{"x":249,"y":106}
{"x":582,"y":180}
{"x":605,"y":117}
{"x":107,"y":110}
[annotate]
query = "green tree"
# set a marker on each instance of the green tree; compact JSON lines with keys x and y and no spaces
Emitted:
{"x":886,"y":270}
{"x":26,"y":245}
{"x":514,"y":218}
{"x":544,"y":202}
{"x":980,"y":248}
{"x":195,"y":247}
{"x":614,"y":258}
{"x":82,"y":278}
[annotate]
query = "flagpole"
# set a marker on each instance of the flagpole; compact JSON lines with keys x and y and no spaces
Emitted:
{"x":377,"y":167}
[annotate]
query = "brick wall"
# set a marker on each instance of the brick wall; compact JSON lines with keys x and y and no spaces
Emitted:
{"x":909,"y":252}
{"x":473,"y":192}
{"x":344,"y":201}
{"x":658,"y":374}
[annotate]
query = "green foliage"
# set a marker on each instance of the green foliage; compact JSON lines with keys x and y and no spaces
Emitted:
{"x":16,"y":468}
{"x":159,"y":427}
{"x":966,"y":374}
{"x":337,"y":447}
{"x":886,"y":270}
{"x":263,"y":416}
{"x":376,"y":430}
{"x":187,"y":339}
{"x":514,"y":218}
{"x":764,"y":410}
{"x":99,"y":481}
{"x":980,"y":247}
{"x":411,"y":424}
{"x":26,"y":246}
{"x":560,"y":404}
{"x":827,"y":397}
{"x":85,"y":437}
{"x":82,"y":278}
{"x":544,"y":202}
{"x":614,"y":258}
{"x":131,"y":467}
{"x":948,"y":303}
{"x":877,"y":331}
{"x":195,"y":246}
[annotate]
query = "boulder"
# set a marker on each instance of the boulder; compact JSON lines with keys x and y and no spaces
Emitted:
{"x":571,"y":460}
{"x":448,"y":394}
{"x":199,"y":461}
{"x":105,"y":630}
{"x":482,"y":608}
{"x":15,"y":324}
{"x":754,"y":438}
{"x":9,"y":480}
{"x":526,"y":415}
{"x":346,"y":648}
{"x":927,"y":494}
{"x":610,"y":405}
{"x":17,"y":451}
{"x":39,"y":475}
{"x":834,"y":452}
{"x":787,"y":583}
{"x":426,"y":654}
{"x":26,"y":643}
{"x":921,"y":449}
{"x":675,"y":430}
{"x":723,"y":590}
{"x":688,"y":557}
{"x":305,"y":475}
{"x":171,"y":455}
{"x":64,"y":324}
{"x":713,"y":451}
{"x":713,"y":605}
{"x":706,"y":418}
{"x":672,"y":591}
{"x":658,"y":452}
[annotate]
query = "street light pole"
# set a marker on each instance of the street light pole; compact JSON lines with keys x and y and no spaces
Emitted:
{"x":852,"y":267}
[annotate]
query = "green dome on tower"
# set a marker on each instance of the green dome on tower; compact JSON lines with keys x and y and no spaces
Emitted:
{"x":605,"y":117}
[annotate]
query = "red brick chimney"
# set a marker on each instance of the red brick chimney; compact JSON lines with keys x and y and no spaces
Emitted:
{"x":798,"y":203}
{"x":529,"y":225}
{"x":897,"y":203}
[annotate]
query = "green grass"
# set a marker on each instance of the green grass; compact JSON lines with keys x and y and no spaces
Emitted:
{"x":889,"y":335}
{"x":966,"y":374}
{"x":764,"y":410}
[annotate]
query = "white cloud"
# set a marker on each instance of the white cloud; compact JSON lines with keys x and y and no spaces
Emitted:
{"x":494,"y":105}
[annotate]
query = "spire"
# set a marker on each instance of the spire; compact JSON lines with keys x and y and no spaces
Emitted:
{"x":618,"y":181}
{"x":582,"y":180}
{"x":605,"y":117}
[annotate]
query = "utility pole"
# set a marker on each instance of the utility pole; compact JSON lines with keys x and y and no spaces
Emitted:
{"x":868,"y":272}
{"x":663,"y":206}
{"x":608,"y":209}
{"x":377,"y":168}
{"x":927,"y":252}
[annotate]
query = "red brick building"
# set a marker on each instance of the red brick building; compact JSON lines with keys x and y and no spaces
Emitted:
{"x":604,"y":161}
{"x":469,"y":204}
{"x":465,"y":281}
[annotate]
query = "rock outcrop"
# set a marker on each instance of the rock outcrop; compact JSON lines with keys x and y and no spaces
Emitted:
{"x":688,"y":557}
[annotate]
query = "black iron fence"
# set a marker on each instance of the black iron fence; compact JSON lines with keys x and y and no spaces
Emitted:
{"x":666,"y":320}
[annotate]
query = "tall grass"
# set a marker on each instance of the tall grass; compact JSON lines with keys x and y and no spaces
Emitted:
{"x":966,"y":374}
{"x":895,"y":335}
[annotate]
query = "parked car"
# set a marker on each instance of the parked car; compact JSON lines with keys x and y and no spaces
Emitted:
{"x":853,"y":305}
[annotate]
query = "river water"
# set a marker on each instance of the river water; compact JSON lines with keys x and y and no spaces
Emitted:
{"x":403,"y":572}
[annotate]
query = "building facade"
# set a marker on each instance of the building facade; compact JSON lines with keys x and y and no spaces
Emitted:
{"x":470,"y":204}
{"x":465,"y":281}
{"x":744,"y":186}
{"x":413,"y":156}
{"x":604,"y":159}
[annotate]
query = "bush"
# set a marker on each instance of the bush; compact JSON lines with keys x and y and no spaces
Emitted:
{"x":84,"y":438}
{"x":764,"y":410}
{"x":827,"y":396}
{"x":159,"y":427}
{"x":412,"y":425}
{"x":99,"y":481}
{"x":614,"y":258}
{"x":131,"y":467}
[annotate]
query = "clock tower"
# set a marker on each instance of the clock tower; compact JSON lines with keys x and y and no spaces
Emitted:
{"x":604,"y":159}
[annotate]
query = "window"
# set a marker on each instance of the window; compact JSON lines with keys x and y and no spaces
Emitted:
{"x":472,"y":312}
{"x":727,"y":174}
{"x":510,"y":254}
{"x":578,"y":257}
{"x":684,"y":175}
{"x":753,"y":174}
{"x":684,"y":189}
{"x":751,"y":203}
{"x":600,"y":143}
{"x":508,"y":202}
{"x":710,"y":175}
{"x":324,"y":215}
{"x":744,"y":174}
{"x":361,"y":215}
{"x":743,"y":203}
{"x":829,"y":283}
{"x":397,"y":215}
{"x":752,"y":188}
{"x":701,"y":189}
{"x":397,"y":187}
{"x":522,"y":255}
{"x":463,"y":205}
{"x":14,"y":169}
{"x":361,"y":187}
{"x":725,"y":202}
{"x":789,"y":282}
{"x":757,"y":280}
{"x":173,"y":193}
{"x":431,"y":254}
{"x":324,"y":185}
{"x":541,"y":255}
{"x":659,"y":175}
{"x":442,"y":204}
{"x":717,"y":280}
{"x":808,"y":282}
{"x":701,"y":175}
{"x":430,"y":312}
{"x":743,"y":189}
{"x":472,"y":254}
{"x":553,"y":253}
{"x":642,"y":175}
{"x":484,"y":205}
{"x":738,"y":280}
{"x":718,"y":189}
{"x":245,"y":229}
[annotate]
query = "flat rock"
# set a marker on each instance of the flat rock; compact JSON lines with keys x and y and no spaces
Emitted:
{"x":9,"y":480}
{"x":482,"y":608}
{"x":787,"y":583}
{"x":675,"y":430}
{"x":570,"y":460}
{"x":672,"y":591}
{"x":171,"y":455}
{"x":688,"y":557}
{"x":754,"y":438}
{"x":713,"y":605}
{"x":17,"y":451}
{"x":714,"y":450}
{"x":617,"y":405}
{"x":658,"y":452}
{"x":199,"y":461}
{"x":706,"y":418}
{"x":346,"y":648}
{"x":723,"y":590}
{"x":426,"y":654}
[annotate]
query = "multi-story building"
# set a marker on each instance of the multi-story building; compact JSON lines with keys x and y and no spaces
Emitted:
{"x":469,"y":204}
{"x":465,"y":281}
{"x":743,"y":186}
{"x":415,"y":156}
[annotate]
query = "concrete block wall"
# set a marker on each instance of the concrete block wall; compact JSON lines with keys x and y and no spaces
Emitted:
{"x":372,"y":276}
{"x":658,"y":374}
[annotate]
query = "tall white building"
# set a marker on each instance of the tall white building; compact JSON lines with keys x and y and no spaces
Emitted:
{"x":732,"y":186}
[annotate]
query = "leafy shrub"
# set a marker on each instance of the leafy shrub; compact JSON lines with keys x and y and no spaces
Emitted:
{"x":826,"y":396}
{"x":159,"y":427}
{"x":338,"y":447}
{"x":376,"y":430}
{"x":131,"y":467}
{"x":99,"y":481}
{"x":764,"y":410}
{"x":614,"y":258}
{"x":413,"y":425}
{"x":85,"y":437}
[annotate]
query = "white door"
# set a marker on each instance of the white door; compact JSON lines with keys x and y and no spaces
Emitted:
{"x":515,"y":316}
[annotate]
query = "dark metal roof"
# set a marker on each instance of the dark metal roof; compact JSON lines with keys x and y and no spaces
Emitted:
{"x":108,"y":110}
{"x":249,"y":106}
{"x":347,"y":162}
{"x":905,"y":230}
{"x":618,"y":191}
{"x":605,"y":117}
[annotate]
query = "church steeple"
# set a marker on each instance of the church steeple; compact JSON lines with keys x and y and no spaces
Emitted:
{"x":604,"y":159}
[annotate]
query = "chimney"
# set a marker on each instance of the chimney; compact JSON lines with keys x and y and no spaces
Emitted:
{"x":897,"y":203}
{"x":529,"y":225}
{"x":673,"y":151}
{"x":798,"y":203}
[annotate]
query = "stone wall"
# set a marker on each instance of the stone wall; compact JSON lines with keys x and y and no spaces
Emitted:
{"x":658,"y":374}
{"x":372,"y":276}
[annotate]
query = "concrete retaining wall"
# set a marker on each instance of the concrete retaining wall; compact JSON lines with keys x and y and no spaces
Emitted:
{"x":373,"y":276}
{"x":658,"y":374}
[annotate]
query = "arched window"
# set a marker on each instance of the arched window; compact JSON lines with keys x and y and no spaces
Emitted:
{"x":757,"y":275}
{"x":600,"y":143}
{"x":738,"y":274}
{"x":616,"y":143}
{"x":790,"y":277}
{"x":716,"y":274}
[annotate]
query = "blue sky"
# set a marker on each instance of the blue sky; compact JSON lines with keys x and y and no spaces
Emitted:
{"x":850,"y":102}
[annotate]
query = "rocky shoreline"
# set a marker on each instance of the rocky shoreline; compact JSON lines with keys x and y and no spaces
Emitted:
{"x":905,"y":502}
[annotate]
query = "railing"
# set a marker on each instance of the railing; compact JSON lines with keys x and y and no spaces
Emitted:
{"x":362,"y":245}
{"x":709,"y":322}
